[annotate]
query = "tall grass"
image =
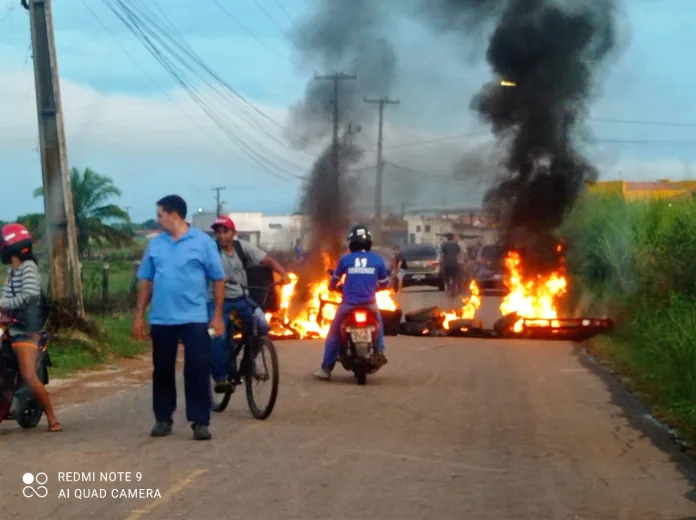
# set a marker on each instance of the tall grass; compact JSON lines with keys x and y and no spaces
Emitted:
{"x":637,"y":262}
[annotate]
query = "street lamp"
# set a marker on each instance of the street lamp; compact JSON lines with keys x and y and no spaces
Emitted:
{"x":507,"y":83}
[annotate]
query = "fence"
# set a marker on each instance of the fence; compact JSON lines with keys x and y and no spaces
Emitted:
{"x":109,"y":288}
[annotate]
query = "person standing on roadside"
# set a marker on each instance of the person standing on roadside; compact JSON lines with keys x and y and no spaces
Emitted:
{"x":399,"y":266}
{"x":450,"y":253}
{"x":175,"y":273}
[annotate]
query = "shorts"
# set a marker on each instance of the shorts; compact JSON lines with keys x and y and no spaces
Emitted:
{"x":451,"y":273}
{"x":25,"y":341}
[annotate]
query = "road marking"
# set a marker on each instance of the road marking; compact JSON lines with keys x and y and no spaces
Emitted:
{"x":175,"y":489}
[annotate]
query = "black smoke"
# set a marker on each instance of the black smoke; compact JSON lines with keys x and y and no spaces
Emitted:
{"x":549,"y":53}
{"x":347,"y":36}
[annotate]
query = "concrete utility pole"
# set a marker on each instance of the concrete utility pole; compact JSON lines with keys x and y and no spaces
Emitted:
{"x":335,"y":159}
{"x":66,"y":285}
{"x":380,"y":165}
{"x":218,"y":205}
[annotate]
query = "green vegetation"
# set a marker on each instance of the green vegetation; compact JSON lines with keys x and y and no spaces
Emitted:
{"x":71,"y":351}
{"x":98,"y":222}
{"x":635,"y":263}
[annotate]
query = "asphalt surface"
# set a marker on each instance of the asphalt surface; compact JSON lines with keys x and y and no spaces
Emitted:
{"x":449,"y":429}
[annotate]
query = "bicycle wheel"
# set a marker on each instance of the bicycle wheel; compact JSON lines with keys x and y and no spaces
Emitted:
{"x":262,"y":366}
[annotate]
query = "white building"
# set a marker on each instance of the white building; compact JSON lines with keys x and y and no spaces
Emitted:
{"x":430,"y":230}
{"x":266,"y":231}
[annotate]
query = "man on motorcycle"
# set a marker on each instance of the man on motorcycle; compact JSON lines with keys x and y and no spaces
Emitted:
{"x":365,"y":273}
{"x":236,"y":298}
{"x":22,"y":300}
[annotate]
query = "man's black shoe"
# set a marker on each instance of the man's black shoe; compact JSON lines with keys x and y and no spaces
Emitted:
{"x":161,"y":429}
{"x":201,"y":432}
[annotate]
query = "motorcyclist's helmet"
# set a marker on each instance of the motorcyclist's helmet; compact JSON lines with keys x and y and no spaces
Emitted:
{"x":359,"y":239}
{"x":15,"y":240}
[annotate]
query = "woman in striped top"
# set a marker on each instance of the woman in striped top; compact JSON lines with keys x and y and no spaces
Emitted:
{"x":22,"y":295}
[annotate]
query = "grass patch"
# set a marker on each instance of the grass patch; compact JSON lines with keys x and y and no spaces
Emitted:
{"x":635,"y":262}
{"x":72,"y":352}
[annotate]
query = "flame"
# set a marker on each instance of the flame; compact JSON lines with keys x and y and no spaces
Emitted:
{"x":531,"y":297}
{"x":469,"y":307}
{"x":313,"y":318}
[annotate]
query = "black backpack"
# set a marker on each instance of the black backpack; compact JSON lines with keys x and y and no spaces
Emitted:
{"x":259,"y":277}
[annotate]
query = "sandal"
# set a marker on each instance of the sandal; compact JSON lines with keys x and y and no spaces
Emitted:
{"x":55,"y":427}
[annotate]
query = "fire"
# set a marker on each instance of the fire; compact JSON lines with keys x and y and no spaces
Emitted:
{"x":469,"y":307}
{"x":532,"y":297}
{"x":314,"y":318}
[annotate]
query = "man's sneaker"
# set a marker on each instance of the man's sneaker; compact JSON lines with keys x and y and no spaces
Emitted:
{"x":161,"y":429}
{"x":221,"y":386}
{"x":380,"y":359}
{"x":201,"y":432}
{"x":323,"y":374}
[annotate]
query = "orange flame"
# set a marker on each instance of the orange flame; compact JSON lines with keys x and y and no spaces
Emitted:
{"x":531,"y":297}
{"x":469,"y":307}
{"x":306,"y":321}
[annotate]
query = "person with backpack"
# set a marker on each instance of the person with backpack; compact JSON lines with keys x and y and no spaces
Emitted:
{"x":236,"y":256}
{"x":23,"y":300}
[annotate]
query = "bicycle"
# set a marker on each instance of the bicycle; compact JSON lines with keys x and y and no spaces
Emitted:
{"x":250,"y":346}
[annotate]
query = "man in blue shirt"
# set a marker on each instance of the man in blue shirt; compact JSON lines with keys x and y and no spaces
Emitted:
{"x":365,"y":273}
{"x":176,"y":269}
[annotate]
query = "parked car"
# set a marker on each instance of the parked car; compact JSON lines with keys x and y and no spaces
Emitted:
{"x":489,"y":269}
{"x":422,"y":266}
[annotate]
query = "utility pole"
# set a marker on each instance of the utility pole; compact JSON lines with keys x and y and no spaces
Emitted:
{"x":336,"y":78}
{"x":66,"y":284}
{"x":335,"y":149}
{"x":218,"y":205}
{"x":380,"y":164}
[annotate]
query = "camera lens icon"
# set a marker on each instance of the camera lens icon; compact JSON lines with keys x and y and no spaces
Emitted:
{"x":40,"y":490}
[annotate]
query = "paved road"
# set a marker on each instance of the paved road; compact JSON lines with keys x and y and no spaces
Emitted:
{"x":450,"y":429}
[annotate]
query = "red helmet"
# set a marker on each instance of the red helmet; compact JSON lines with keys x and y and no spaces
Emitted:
{"x":15,"y":240}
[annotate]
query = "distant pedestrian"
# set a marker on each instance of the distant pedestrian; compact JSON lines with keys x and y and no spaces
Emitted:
{"x":450,"y":254}
{"x":175,"y":274}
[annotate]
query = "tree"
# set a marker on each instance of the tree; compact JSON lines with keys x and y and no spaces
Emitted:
{"x":95,"y":218}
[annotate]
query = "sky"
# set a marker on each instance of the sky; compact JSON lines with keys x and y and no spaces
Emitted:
{"x":126,"y":117}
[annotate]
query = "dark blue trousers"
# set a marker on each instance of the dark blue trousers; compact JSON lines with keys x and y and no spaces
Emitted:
{"x":165,"y":342}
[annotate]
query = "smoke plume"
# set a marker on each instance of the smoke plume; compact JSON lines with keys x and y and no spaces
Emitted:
{"x":546,"y":54}
{"x":339,"y":36}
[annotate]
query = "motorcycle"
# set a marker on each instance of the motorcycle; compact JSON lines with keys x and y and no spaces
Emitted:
{"x":359,"y":330}
{"x":16,"y":401}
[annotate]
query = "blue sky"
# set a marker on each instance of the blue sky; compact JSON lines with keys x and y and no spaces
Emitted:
{"x":120,"y":122}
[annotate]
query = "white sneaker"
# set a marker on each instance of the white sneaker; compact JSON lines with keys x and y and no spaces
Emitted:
{"x":323,"y":374}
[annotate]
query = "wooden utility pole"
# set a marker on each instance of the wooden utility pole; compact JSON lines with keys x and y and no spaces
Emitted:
{"x":66,"y":285}
{"x":335,"y":153}
{"x":218,"y":204}
{"x":380,"y":165}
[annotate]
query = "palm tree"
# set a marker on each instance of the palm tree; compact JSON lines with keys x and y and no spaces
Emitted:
{"x":90,"y":192}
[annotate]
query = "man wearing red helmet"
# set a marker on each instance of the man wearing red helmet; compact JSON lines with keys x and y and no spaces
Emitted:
{"x":22,"y":300}
{"x":236,"y":298}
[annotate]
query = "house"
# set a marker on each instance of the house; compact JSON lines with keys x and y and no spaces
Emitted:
{"x":471,"y":227}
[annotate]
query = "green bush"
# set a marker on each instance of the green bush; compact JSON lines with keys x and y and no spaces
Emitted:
{"x":635,"y":260}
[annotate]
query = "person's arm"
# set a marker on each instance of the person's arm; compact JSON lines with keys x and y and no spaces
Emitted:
{"x":31,"y":288}
{"x":215,"y":272}
{"x":146,"y":275}
{"x":258,"y":256}
{"x":338,"y":273}
{"x":382,"y":275}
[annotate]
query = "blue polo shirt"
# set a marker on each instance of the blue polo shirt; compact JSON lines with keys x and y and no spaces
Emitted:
{"x":180,"y":271}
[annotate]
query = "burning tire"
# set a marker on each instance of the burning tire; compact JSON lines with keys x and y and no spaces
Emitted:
{"x":422,"y":315}
{"x":392,"y":322}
